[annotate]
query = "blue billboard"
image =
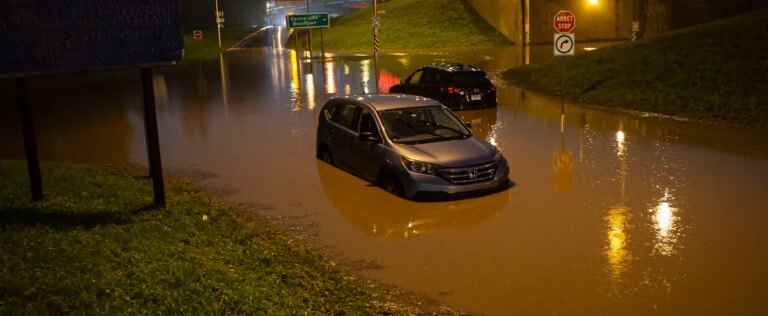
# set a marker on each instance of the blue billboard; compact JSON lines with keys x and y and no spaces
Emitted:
{"x":55,"y":36}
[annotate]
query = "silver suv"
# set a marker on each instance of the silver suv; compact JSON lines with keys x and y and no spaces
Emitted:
{"x":411,"y":146}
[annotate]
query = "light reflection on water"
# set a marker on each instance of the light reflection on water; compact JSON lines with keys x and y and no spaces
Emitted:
{"x":562,"y":162}
{"x":665,"y":221}
{"x":617,"y":235}
{"x":295,"y":90}
{"x":366,"y":77}
{"x":330,"y":77}
{"x":310,"y":85}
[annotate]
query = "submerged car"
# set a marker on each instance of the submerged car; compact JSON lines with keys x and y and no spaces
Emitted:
{"x":411,"y":146}
{"x":457,"y":86}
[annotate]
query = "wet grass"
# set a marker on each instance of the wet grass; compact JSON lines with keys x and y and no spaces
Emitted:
{"x":713,"y":72}
{"x":411,"y":25}
{"x":92,"y":248}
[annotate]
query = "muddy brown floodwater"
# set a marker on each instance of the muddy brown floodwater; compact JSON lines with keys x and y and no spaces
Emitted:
{"x":611,"y":213}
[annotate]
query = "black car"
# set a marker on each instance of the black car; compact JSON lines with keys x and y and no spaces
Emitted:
{"x":457,"y":86}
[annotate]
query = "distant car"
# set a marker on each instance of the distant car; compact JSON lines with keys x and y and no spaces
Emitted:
{"x":409,"y":145}
{"x":457,"y":86}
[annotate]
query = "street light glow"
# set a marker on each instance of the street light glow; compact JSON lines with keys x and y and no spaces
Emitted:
{"x":593,"y":2}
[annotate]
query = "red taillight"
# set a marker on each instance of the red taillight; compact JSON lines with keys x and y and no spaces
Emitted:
{"x":452,"y":90}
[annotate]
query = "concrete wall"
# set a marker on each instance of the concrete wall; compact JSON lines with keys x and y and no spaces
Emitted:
{"x":609,"y":19}
{"x":504,"y":15}
{"x":606,"y":19}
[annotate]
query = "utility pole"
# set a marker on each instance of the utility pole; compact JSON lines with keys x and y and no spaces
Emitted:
{"x":525,"y":18}
{"x":219,"y":20}
{"x":309,"y":32}
{"x":640,"y":18}
{"x":376,"y":24}
{"x":617,"y":18}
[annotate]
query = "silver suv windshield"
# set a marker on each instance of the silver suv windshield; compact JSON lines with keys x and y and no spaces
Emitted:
{"x":422,"y":125}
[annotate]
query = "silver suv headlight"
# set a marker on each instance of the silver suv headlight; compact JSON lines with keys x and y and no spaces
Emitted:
{"x":420,"y":167}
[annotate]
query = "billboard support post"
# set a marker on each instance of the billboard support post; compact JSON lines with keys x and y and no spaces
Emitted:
{"x":152,"y":138}
{"x":30,"y":140}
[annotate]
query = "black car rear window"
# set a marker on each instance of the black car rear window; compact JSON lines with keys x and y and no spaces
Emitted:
{"x":470,"y":78}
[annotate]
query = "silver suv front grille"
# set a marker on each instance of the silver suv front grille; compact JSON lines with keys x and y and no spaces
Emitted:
{"x":469,"y":175}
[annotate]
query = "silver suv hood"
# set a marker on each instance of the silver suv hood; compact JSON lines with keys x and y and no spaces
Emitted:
{"x":453,"y":153}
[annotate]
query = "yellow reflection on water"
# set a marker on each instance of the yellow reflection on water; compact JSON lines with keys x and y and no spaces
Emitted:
{"x":310,"y":84}
{"x":665,"y":222}
{"x":330,"y":77}
{"x":562,"y":163}
{"x":620,"y":143}
{"x":365,"y":67}
{"x":295,"y":85}
{"x":279,"y":39}
{"x":380,"y":214}
{"x":295,"y":82}
{"x":617,"y":241}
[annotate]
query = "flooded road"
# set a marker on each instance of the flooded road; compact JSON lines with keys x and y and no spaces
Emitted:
{"x":611,"y":213}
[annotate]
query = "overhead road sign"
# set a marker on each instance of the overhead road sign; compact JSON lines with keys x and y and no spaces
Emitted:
{"x":308,"y":21}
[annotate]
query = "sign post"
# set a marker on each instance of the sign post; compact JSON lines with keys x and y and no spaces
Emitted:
{"x":564,"y":42}
{"x":30,"y":140}
{"x":219,"y":21}
{"x":152,"y":137}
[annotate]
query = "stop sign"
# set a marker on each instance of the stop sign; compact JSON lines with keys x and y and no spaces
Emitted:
{"x":565,"y":21}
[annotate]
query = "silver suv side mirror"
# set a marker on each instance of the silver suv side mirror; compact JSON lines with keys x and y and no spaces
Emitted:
{"x":369,"y":137}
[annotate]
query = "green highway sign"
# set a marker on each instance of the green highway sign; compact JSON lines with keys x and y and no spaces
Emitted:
{"x":308,"y":21}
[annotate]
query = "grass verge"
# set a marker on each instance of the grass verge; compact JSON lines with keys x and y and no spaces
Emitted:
{"x":713,"y":72}
{"x":411,"y":25}
{"x":87,"y":249}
